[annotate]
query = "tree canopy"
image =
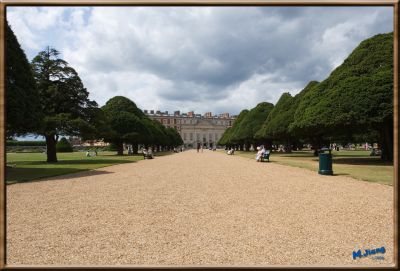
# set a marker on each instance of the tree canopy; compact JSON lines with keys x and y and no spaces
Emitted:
{"x":64,"y":101}
{"x":130,"y":125}
{"x":125,"y":121}
{"x":276,"y":124}
{"x":226,"y":138}
{"x":356,"y":97}
{"x":354,"y":103}
{"x":251,"y":123}
{"x":23,"y":105}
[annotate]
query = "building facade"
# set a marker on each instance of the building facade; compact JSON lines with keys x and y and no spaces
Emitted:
{"x":194,"y":128}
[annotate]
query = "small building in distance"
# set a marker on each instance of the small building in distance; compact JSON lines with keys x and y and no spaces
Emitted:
{"x":195,"y":128}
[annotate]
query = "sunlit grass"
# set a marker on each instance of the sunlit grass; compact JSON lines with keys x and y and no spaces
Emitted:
{"x":356,"y":164}
{"x":23,"y":167}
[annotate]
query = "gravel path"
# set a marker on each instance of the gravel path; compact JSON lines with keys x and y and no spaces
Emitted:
{"x":198,"y":209}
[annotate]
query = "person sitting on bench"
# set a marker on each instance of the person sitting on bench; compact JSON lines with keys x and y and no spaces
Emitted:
{"x":265,"y":155}
{"x":260,"y":153}
{"x":147,"y":154}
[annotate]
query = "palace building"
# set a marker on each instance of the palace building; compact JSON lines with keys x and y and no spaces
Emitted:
{"x":195,"y":128}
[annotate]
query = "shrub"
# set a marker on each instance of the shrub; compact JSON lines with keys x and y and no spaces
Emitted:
{"x":25,"y":143}
{"x":111,"y":147}
{"x":63,"y":145}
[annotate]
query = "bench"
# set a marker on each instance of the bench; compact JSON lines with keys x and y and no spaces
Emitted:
{"x":91,"y":153}
{"x":265,"y":156}
{"x":147,"y":155}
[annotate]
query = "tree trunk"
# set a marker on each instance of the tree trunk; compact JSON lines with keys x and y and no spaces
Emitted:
{"x":120,"y":148}
{"x":134,"y":148}
{"x":247,"y":147}
{"x":268,"y":144}
{"x":387,"y":142}
{"x":288,"y":148}
{"x":51,"y":142}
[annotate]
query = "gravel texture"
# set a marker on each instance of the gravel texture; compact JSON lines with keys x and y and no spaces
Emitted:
{"x":198,"y":209}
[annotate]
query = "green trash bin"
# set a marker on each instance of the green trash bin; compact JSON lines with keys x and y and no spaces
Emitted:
{"x":325,"y":163}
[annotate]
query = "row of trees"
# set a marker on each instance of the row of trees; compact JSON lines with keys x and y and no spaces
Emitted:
{"x":354,"y":104}
{"x":46,"y":97}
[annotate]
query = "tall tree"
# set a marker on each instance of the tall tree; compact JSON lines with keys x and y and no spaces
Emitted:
{"x":174,"y":139}
{"x":64,"y":101}
{"x":277,"y":124}
{"x":356,"y":97}
{"x":251,"y":123}
{"x":227,"y":137}
{"x":23,"y":112}
{"x":126,"y":122}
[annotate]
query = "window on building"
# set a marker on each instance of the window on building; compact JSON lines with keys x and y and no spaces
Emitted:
{"x":174,"y":121}
{"x":191,"y":136}
{"x":168,"y":121}
{"x":184,"y":136}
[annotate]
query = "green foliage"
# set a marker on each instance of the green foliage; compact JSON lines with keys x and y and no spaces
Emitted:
{"x":119,"y":103}
{"x":357,"y":95}
{"x":25,"y":143}
{"x":174,"y":139}
{"x":64,"y":145}
{"x":226,"y":138}
{"x":129,"y":125}
{"x":64,"y":100}
{"x":125,"y":121}
{"x":111,"y":147}
{"x":251,"y":123}
{"x":23,"y":108}
{"x":277,"y":124}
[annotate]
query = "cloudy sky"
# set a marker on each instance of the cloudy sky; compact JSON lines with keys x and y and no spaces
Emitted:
{"x":218,"y":59}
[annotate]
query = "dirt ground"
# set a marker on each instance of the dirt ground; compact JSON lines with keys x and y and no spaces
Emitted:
{"x":198,"y":209}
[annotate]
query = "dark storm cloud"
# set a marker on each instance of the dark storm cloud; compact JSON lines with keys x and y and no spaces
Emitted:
{"x":210,"y":58}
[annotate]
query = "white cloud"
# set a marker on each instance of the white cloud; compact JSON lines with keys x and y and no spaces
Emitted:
{"x":198,"y":58}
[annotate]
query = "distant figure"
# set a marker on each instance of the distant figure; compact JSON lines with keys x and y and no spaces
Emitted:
{"x":198,"y":147}
{"x":260,"y":153}
{"x":201,"y":148}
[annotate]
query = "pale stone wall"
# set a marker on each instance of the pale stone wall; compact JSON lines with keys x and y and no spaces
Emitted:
{"x":197,"y":129}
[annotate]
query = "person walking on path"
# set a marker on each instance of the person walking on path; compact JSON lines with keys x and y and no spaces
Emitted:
{"x":198,"y":147}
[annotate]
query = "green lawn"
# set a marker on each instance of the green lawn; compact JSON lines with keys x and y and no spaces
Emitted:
{"x":356,"y":164}
{"x":33,"y":166}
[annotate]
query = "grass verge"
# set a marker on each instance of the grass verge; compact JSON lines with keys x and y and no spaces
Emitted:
{"x":355,"y":164}
{"x":25,"y":167}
